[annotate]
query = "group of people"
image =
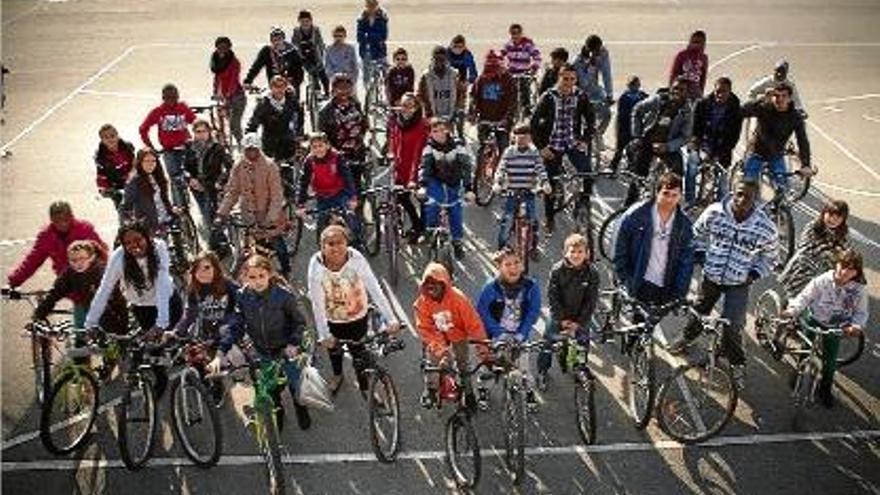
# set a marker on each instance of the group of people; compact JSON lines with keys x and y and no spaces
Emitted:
{"x":656,"y":249}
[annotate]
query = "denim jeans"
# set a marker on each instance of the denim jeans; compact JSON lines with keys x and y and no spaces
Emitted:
{"x":510,"y":205}
{"x":173,"y":160}
{"x":755,"y":163}
{"x":440,"y":193}
{"x":736,"y":299}
{"x":324,"y":206}
{"x":690,"y":179}
{"x":580,"y":160}
{"x":551,"y":335}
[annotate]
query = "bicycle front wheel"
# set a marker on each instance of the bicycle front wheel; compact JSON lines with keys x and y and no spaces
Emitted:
{"x":642,"y":386}
{"x":696,"y":402}
{"x":370,"y":227}
{"x":391,"y":234}
{"x":270,"y":447}
{"x":785,"y":229}
{"x":514,"y":419}
{"x":195,"y":419}
{"x":585,"y":407}
{"x":69,"y":412}
{"x":463,"y":450}
{"x":384,"y":417}
{"x":138,"y":422}
{"x":293,"y":234}
{"x":484,"y":177}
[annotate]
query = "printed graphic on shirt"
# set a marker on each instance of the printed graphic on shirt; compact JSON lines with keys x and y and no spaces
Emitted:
{"x":512,"y":314}
{"x":349,"y":129}
{"x":345,"y":295}
{"x":443,"y":320}
{"x":171,"y":123}
{"x":692,"y":70}
{"x":491,"y":91}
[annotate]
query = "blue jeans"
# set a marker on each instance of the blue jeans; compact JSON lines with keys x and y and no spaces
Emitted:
{"x":755,"y":163}
{"x":173,"y":160}
{"x":736,"y":300}
{"x":324,"y":206}
{"x":207,"y":205}
{"x":283,"y":255}
{"x":690,"y":179}
{"x":442,"y":194}
{"x":551,"y":335}
{"x":507,"y":219}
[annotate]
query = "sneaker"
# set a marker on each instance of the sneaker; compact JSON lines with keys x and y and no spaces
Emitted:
{"x":428,"y":400}
{"x":303,"y":418}
{"x":549,"y":226}
{"x":458,"y":249}
{"x":483,"y":398}
{"x":824,"y":395}
{"x":531,"y":401}
{"x":218,"y":392}
{"x":334,"y":383}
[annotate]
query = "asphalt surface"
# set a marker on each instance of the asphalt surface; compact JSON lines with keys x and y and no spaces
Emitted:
{"x":78,"y":64}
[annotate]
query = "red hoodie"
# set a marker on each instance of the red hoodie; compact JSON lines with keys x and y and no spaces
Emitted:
{"x":172,"y":121}
{"x":693,"y":65}
{"x":50,"y":244}
{"x":407,"y":141}
{"x":227,"y":83}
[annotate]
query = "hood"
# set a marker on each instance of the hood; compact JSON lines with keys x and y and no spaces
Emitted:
{"x":438,"y":272}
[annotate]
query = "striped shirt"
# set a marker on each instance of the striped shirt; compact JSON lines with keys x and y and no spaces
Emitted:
{"x":521,"y":56}
{"x":521,"y":168}
{"x":734,"y":249}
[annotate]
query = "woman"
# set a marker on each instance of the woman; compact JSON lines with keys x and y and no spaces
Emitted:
{"x":139,"y":266}
{"x":818,"y":247}
{"x":267,"y":311}
{"x":114,"y":160}
{"x":146,"y":194}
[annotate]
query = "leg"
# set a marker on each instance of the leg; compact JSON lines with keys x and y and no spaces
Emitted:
{"x":456,"y":214}
{"x":545,"y":358}
{"x":554,"y":170}
{"x":690,"y":177}
{"x":532,"y":214}
{"x":236,"y":110}
{"x":283,"y":255}
{"x":506,"y":222}
{"x":432,"y":206}
{"x":405,"y":200}
{"x":752,"y":167}
{"x":736,"y":299}
{"x":709,"y":294}
{"x":778,"y":169}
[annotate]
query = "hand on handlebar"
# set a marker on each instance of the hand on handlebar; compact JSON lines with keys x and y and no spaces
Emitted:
{"x":470,"y":197}
{"x":421,"y":193}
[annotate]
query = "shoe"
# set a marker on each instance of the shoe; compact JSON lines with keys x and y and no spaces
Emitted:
{"x":739,"y":376}
{"x":458,"y":249}
{"x":824,"y":395}
{"x":531,"y":401}
{"x":218,"y":392}
{"x":428,"y":400}
{"x":541,"y":381}
{"x":483,"y":398}
{"x":334,"y":383}
{"x":303,"y":418}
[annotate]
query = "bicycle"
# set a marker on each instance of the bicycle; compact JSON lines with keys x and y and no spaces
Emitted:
{"x":382,"y":402}
{"x":461,"y":444}
{"x":570,"y":194}
{"x":608,"y":229}
{"x":637,"y":344}
{"x":573,"y":355}
{"x":246,"y":239}
{"x":314,"y":96}
{"x":388,"y":216}
{"x":698,"y":399}
{"x":218,"y":116}
{"x":375,"y":100}
{"x":440,"y":248}
{"x":526,"y":84}
{"x":522,"y":234}
{"x":770,"y":304}
{"x":488,"y":156}
{"x":44,"y":339}
{"x":709,"y":184}
{"x":601,"y":106}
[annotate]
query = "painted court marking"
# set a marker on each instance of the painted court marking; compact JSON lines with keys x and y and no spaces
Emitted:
{"x":369,"y":457}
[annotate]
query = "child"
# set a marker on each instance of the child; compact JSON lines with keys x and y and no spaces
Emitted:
{"x":327,"y":175}
{"x":408,"y":135}
{"x":114,"y":160}
{"x":522,"y":57}
{"x":341,"y":57}
{"x":172,"y":119}
{"x":267,"y":312}
{"x":401,"y":78}
{"x":572,"y":294}
{"x":520,"y":169}
{"x":445,"y":319}
{"x":210,"y":299}
{"x":462,"y":60}
{"x":444,"y":173}
{"x":206,"y":168}
{"x":625,"y":104}
{"x":836,"y":298}
{"x":227,"y":84}
{"x":558,"y":58}
{"x":509,"y":307}
{"x":308,"y":40}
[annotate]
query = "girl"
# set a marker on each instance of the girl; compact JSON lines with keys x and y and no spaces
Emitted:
{"x":140,"y":267}
{"x":266,"y":310}
{"x":210,"y":299}
{"x":146,"y":194}
{"x":818,"y":247}
{"x":409,"y":133}
{"x":114,"y":160}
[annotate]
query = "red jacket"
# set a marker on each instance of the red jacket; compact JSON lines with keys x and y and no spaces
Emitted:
{"x":172,"y":122}
{"x":693,"y":65}
{"x":227,"y":83}
{"x":407,"y":141}
{"x":50,"y":244}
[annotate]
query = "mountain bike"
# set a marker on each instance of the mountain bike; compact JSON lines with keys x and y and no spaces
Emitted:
{"x":217,"y":112}
{"x":573,"y":353}
{"x":388,"y":215}
{"x":488,"y":156}
{"x":522,"y":235}
{"x":526,"y":84}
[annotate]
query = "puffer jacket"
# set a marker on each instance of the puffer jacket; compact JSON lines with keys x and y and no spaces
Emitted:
{"x":447,"y":162}
{"x":451,"y":319}
{"x":271,"y":319}
{"x":572,"y":292}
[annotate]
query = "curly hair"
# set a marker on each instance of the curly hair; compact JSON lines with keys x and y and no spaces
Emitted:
{"x":132,"y":272}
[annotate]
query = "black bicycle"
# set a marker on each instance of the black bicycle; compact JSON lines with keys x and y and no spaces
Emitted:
{"x":389,"y":222}
{"x":488,"y":157}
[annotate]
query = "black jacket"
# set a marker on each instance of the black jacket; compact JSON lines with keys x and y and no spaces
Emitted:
{"x":723,"y":139}
{"x":107,"y":170}
{"x":573,"y":293}
{"x":271,"y":320}
{"x":774,"y":130}
{"x":214,"y":169}
{"x":280,"y":129}
{"x":289,"y":65}
{"x":548,"y":80}
{"x":344,"y":142}
{"x":545,"y":115}
{"x":115,"y":317}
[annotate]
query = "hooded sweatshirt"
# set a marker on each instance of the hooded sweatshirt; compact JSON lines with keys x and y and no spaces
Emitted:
{"x":441,"y":94}
{"x":172,"y":122}
{"x":451,"y":319}
{"x":408,"y":136}
{"x":493,"y":95}
{"x":693,"y":64}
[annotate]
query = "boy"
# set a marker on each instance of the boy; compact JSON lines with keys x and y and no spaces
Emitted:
{"x":572,"y":294}
{"x":401,"y":78}
{"x":341,"y":57}
{"x":462,"y":60}
{"x":445,"y":172}
{"x":522,"y":57}
{"x":326,"y":174}
{"x":172,"y":119}
{"x":520,"y":169}
{"x":445,"y":319}
{"x":558,"y":58}
{"x":509,"y":306}
{"x":308,"y":40}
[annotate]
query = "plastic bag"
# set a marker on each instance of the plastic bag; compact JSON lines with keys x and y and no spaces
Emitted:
{"x":313,"y":392}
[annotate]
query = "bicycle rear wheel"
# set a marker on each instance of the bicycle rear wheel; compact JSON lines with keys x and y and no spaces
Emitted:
{"x":642,"y":382}
{"x":696,"y":402}
{"x":195,"y":419}
{"x":785,"y":229}
{"x":70,"y":410}
{"x":514,"y":420}
{"x":463,"y":450}
{"x":384,"y":417}
{"x":585,"y":406}
{"x":484,"y":177}
{"x":608,"y":233}
{"x":138,"y":422}
{"x":851,"y":349}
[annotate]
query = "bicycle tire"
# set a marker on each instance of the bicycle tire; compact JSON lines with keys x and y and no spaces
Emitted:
{"x":190,"y":234}
{"x":42,"y":356}
{"x":50,"y":425}
{"x":607,"y":232}
{"x":798,"y":185}
{"x":642,"y":379}
{"x":484,"y":177}
{"x":136,"y":460}
{"x":293,"y":235}
{"x":767,"y":307}
{"x":522,"y":230}
{"x":672,"y":414}
{"x":270,"y":445}
{"x":391,"y":234}
{"x":805,"y":389}
{"x":851,"y":349}
{"x":385,"y":454}
{"x":514,"y":419}
{"x":190,"y":382}
{"x":370,"y":228}
{"x":785,"y":229}
{"x":457,"y":451}
{"x":585,"y":406}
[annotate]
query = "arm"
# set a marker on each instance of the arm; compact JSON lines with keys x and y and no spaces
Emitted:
{"x":607,"y":81}
{"x":144,"y":129}
{"x":675,"y":69}
{"x":276,"y":195}
{"x":373,"y":288}
{"x":532,"y":311}
{"x":492,"y":326}
{"x":257,"y":66}
{"x":805,"y":297}
{"x":348,"y":179}
{"x":536,"y":56}
{"x":32,"y":262}
{"x":803,"y":142}
{"x":231,"y":193}
{"x":60,"y":288}
{"x":108,"y":282}
{"x":256,"y":117}
{"x":765,"y":259}
{"x":638,"y":114}
{"x":189,"y":316}
{"x":622,"y":267}
{"x":317,"y":296}
{"x":235,"y":330}
{"x":424,"y":99}
{"x":590,"y":300}
{"x":472,"y":72}
{"x":466,"y":163}
{"x":683,"y":136}
{"x":860,"y":312}
{"x":685,"y":260}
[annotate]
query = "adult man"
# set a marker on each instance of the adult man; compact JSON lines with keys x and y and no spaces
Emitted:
{"x":717,"y":124}
{"x":777,"y":121}
{"x":780,"y":75}
{"x":653,"y":253}
{"x":562,"y":125}
{"x":279,"y":58}
{"x":692,"y":64}
{"x":345,"y":124}
{"x":738,"y":243}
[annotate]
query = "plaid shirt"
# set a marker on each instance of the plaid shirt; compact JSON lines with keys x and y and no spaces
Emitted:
{"x":562,"y":137}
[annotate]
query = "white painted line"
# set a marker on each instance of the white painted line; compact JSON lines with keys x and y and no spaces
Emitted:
{"x":842,"y":99}
{"x":369,"y":457}
{"x":847,"y":190}
{"x":870,"y":118}
{"x":731,"y":56}
{"x":849,"y":154}
{"x":118,"y":94}
{"x":832,"y":109}
{"x":22,"y":15}
{"x":54,"y":108}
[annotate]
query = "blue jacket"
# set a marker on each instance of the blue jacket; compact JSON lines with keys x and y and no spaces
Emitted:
{"x":464,"y":64}
{"x":371,"y":38}
{"x":588,"y":76}
{"x":632,"y":250}
{"x":625,"y":105}
{"x":491,"y":307}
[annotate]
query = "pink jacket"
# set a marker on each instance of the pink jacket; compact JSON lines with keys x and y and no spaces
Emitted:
{"x":50,"y":244}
